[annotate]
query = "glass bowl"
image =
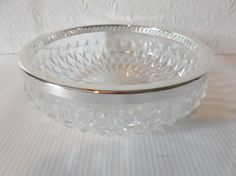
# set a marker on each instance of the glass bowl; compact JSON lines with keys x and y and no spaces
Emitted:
{"x":116,"y":79}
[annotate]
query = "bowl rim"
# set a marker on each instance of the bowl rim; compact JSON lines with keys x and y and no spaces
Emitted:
{"x":35,"y":45}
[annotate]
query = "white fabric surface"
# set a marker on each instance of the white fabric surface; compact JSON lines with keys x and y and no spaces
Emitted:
{"x":203,"y":144}
{"x":213,"y":21}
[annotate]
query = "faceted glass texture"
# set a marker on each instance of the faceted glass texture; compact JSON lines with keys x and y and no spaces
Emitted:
{"x":116,"y":79}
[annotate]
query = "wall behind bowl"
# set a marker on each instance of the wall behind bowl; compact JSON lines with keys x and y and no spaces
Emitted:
{"x":213,"y":21}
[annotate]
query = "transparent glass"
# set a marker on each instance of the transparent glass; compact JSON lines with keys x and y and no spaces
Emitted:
{"x":125,"y":78}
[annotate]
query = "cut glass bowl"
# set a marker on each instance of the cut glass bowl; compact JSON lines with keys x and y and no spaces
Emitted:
{"x":116,"y":79}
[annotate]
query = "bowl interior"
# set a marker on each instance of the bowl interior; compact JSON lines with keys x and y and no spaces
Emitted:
{"x":115,"y":58}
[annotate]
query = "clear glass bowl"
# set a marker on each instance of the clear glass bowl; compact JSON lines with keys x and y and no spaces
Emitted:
{"x":116,"y":78}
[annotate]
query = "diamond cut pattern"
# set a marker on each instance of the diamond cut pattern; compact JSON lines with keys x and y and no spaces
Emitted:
{"x":143,"y":60}
{"x":118,"y":119}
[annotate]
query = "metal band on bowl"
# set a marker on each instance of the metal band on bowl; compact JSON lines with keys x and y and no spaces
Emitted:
{"x":62,"y":94}
{"x":117,"y":92}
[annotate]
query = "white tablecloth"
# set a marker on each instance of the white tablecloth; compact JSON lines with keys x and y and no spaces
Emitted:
{"x":203,"y":144}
